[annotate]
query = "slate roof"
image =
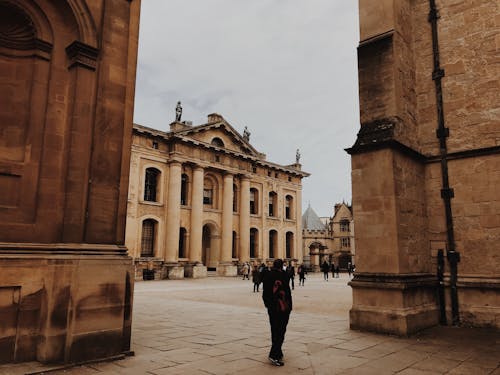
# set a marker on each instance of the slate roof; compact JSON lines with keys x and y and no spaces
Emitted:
{"x":311,"y":221}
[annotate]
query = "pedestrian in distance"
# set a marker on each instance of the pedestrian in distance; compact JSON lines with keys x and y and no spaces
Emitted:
{"x":326,"y":269}
{"x":302,"y":274}
{"x":333,"y":270}
{"x":256,"y":278}
{"x":246,"y":270}
{"x":337,"y":270}
{"x":349,"y":269}
{"x":277,"y":298}
{"x":291,"y":274}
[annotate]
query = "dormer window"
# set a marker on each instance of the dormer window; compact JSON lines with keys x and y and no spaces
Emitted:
{"x":217,"y":142}
{"x":155,"y":145}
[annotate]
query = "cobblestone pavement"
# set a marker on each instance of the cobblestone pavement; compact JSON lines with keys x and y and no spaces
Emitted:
{"x":219,"y":326}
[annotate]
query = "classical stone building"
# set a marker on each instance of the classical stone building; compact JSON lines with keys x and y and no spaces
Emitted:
{"x":67,"y":79}
{"x":328,"y":238}
{"x":202,"y":197}
{"x":426,"y":166}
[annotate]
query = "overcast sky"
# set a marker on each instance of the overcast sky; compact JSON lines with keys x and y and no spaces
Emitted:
{"x":285,"y":69}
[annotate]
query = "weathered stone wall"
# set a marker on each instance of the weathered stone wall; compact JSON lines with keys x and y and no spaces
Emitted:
{"x":67,"y":91}
{"x":396,"y":166}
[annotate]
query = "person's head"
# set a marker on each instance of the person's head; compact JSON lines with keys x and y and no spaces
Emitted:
{"x":278,"y":264}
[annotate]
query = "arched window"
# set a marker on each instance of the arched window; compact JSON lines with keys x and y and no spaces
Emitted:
{"x":209,"y":192}
{"x":233,"y":247}
{"x":151,"y":184}
{"x":254,"y":201}
{"x":289,"y":245}
{"x":217,"y":142}
{"x":344,"y":225}
{"x":184,"y":189}
{"x":254,"y":242}
{"x":289,"y":212}
{"x":273,"y":204}
{"x":182,"y":243}
{"x":235,"y":198}
{"x":273,"y":243}
{"x":148,"y":238}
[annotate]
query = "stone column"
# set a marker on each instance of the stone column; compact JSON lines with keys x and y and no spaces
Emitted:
{"x":173,"y":270}
{"x":244,"y":248}
{"x":298,"y":252}
{"x":196,"y":268}
{"x":226,"y":267}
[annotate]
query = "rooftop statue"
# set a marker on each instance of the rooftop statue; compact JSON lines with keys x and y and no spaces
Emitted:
{"x":246,"y":134}
{"x":178,"y":112}
{"x":297,"y":157}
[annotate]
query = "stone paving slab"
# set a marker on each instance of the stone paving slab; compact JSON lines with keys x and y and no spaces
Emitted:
{"x":219,"y":326}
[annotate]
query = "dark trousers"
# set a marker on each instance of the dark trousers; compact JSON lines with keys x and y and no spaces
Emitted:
{"x":301,"y":280}
{"x":292,"y":280}
{"x":325,"y":275}
{"x":256,"y":287}
{"x":278,"y":328}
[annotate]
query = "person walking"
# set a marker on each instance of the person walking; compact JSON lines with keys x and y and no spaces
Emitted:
{"x":333,"y":270}
{"x":246,"y":270}
{"x":325,"y":268}
{"x":256,"y":278}
{"x":302,"y":274}
{"x":277,"y":298}
{"x":337,"y":270}
{"x":291,"y":274}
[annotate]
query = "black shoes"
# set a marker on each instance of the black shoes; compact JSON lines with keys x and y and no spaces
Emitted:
{"x":276,"y":362}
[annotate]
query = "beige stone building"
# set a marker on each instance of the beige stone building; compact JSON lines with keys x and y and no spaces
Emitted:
{"x":201,"y":197}
{"x":328,"y":238}
{"x":426,"y":166}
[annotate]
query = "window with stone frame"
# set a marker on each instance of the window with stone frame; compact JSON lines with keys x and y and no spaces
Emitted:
{"x":208,"y":196}
{"x":184,"y":189}
{"x":289,"y":207}
{"x":345,"y":242}
{"x":235,"y":198}
{"x":273,"y":239}
{"x":233,"y":246}
{"x":254,"y":242}
{"x":273,"y":197}
{"x":344,"y":225}
{"x":151,"y":180}
{"x":289,"y":245}
{"x":148,"y":238}
{"x":254,"y":201}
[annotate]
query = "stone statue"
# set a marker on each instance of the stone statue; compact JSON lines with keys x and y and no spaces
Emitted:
{"x":246,"y":134}
{"x":178,"y":112}
{"x":297,"y":157}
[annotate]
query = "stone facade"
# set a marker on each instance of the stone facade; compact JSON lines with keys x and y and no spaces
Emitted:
{"x":67,"y":80}
{"x":201,"y":197}
{"x":328,"y":238}
{"x":426,"y":165}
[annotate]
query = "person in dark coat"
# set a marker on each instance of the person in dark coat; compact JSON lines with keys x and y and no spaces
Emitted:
{"x":277,"y":298}
{"x":325,"y":268}
{"x":291,"y":274}
{"x":302,"y":274}
{"x":256,"y":278}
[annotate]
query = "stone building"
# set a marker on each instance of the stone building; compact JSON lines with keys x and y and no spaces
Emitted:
{"x":328,"y":238}
{"x":67,"y":80}
{"x":202,"y":197}
{"x":426,"y":166}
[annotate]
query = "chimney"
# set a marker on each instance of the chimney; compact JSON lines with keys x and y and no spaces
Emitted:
{"x":214,"y":117}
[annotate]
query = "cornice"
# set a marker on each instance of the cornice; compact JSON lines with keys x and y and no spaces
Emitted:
{"x":82,"y":55}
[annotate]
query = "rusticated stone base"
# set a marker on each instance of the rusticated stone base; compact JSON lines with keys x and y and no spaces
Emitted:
{"x":195,"y":270}
{"x":64,"y":303}
{"x":228,"y":269}
{"x":173,"y":271}
{"x":394,"y":304}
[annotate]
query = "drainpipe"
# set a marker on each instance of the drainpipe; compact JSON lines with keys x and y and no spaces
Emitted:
{"x":446,"y":192}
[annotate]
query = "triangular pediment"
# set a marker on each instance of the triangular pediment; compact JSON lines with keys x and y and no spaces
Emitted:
{"x":219,"y":134}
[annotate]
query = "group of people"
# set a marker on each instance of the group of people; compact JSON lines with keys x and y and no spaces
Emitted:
{"x":257,"y":273}
{"x":326,"y":268}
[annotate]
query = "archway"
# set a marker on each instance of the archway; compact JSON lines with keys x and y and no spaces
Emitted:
{"x":210,"y":251}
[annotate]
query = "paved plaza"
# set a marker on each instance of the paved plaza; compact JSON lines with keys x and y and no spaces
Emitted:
{"x":219,"y":326}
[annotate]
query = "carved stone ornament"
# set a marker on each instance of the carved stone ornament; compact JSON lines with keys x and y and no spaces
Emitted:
{"x":83,"y":55}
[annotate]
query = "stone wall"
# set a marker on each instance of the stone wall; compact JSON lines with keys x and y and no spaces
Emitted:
{"x":397,"y":163}
{"x":67,"y":89}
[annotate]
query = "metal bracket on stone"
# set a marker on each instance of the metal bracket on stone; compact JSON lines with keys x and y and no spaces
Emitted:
{"x":447,"y":193}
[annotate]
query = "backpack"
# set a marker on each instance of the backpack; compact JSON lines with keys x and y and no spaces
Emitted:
{"x":281,"y":300}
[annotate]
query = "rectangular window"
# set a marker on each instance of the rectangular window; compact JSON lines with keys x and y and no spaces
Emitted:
{"x":207,"y":196}
{"x":155,"y":145}
{"x":345,"y":242}
{"x":271,"y":209}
